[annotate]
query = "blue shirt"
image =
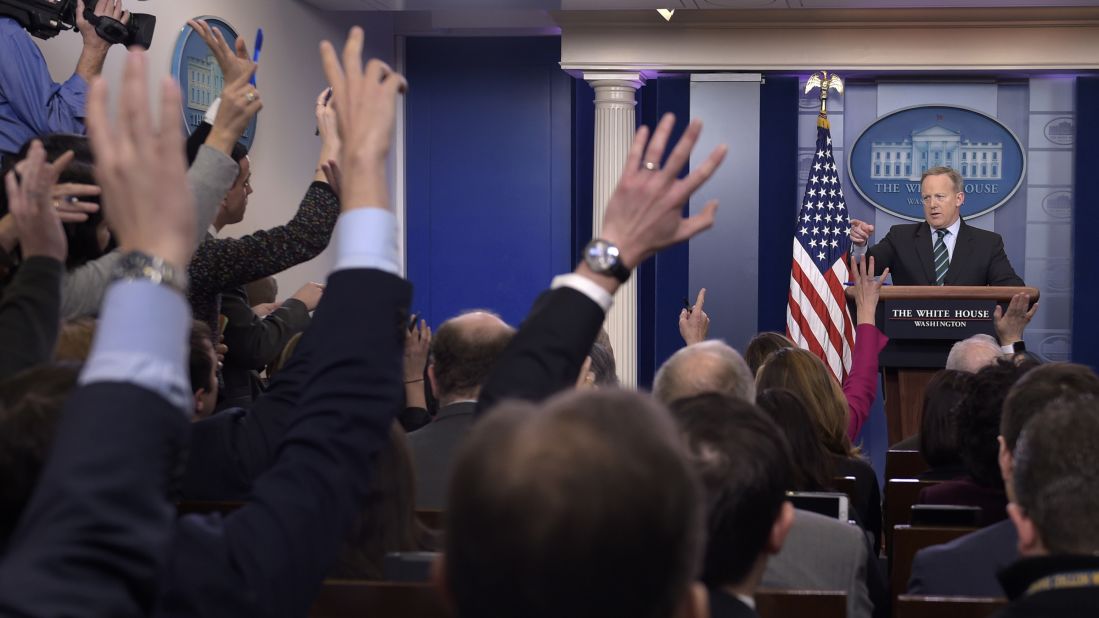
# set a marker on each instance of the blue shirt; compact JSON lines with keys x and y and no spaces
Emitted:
{"x":31,"y":104}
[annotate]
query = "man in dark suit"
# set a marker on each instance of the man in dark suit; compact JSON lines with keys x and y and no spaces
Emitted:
{"x":745,"y":466}
{"x":967,"y":566}
{"x":1055,"y":509}
{"x":463,"y":352}
{"x":942,"y":250}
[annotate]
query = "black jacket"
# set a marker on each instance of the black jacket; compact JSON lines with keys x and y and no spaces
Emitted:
{"x":1068,"y":602}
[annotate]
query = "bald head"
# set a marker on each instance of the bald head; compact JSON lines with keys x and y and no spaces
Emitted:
{"x":707,"y":367}
{"x":463,"y":352}
{"x":973,"y":354}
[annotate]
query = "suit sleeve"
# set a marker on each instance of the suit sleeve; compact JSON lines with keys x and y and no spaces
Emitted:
{"x":1000,"y":272}
{"x":884,"y":253}
{"x":861,"y":386}
{"x":255,"y":342}
{"x":546,"y":354}
{"x":270,"y":557}
{"x":30,"y":315}
{"x":93,"y":539}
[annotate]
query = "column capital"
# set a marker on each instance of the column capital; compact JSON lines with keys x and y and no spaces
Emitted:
{"x":631,"y":79}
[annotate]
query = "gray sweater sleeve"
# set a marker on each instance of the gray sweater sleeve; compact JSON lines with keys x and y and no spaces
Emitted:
{"x":210,"y":178}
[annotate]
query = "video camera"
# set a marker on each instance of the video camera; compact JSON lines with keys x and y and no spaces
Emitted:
{"x":45,"y":18}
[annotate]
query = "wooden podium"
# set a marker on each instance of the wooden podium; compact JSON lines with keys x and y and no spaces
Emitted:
{"x":922,"y":323}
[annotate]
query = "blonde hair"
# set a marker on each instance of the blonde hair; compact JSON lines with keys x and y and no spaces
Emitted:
{"x":802,"y":373}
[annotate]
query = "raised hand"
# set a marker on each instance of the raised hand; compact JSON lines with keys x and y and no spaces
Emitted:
{"x":240,"y":102}
{"x":1011,"y":324}
{"x":37,"y":223}
{"x":234,"y":63}
{"x":867,"y":288}
{"x":366,"y":110}
{"x":694,"y":324}
{"x":860,"y":232}
{"x":417,"y":344}
{"x":142,"y":170}
{"x":644,"y":212}
{"x":327,"y":168}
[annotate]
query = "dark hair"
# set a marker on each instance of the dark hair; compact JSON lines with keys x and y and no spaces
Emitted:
{"x":762,"y":345}
{"x":808,"y":377}
{"x":939,"y":423}
{"x":200,"y":361}
{"x":603,"y":366}
{"x":30,"y":406}
{"x":464,"y":357}
{"x":744,"y":464}
{"x":83,"y":238}
{"x":1054,"y":479}
{"x":979,"y":414}
{"x":812,"y":466}
{"x":585,"y":506}
{"x":387,"y":521}
{"x":1037,"y":388}
{"x":198,"y":138}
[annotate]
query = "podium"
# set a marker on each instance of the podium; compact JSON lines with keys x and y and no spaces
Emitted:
{"x":922,"y":323}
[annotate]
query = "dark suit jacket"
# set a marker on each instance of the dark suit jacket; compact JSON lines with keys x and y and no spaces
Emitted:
{"x":93,"y":538}
{"x":253,"y":343}
{"x":966,"y":566}
{"x":433,"y":448}
{"x":30,"y":315}
{"x":978,"y":259}
{"x":725,"y":605}
{"x":545,"y":356}
{"x":1062,"y":603}
{"x":269,"y":557}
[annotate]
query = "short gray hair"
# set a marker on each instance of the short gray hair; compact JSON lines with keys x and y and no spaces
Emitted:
{"x":972,"y":354}
{"x":706,"y":367}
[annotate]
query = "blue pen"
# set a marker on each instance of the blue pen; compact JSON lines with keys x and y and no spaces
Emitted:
{"x":256,"y":50}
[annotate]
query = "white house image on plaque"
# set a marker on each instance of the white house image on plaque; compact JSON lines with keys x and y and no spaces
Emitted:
{"x":933,"y":147}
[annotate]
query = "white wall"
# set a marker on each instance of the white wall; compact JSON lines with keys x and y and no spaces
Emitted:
{"x":285,"y":150}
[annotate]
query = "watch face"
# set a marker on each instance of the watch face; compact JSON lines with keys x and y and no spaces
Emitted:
{"x":601,"y":256}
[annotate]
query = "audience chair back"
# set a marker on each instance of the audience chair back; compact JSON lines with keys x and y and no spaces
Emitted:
{"x":787,"y":603}
{"x":431,"y":518}
{"x":907,"y":540}
{"x":845,"y":484}
{"x":911,"y":606}
{"x":360,"y":599}
{"x":904,"y":464}
{"x":900,"y":495}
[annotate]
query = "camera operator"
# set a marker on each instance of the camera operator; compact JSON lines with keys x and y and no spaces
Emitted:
{"x":31,"y":104}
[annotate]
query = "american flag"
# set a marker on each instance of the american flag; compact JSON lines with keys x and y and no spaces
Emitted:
{"x":816,"y":316}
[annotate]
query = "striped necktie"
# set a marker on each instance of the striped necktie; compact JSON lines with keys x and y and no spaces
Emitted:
{"x":942,"y":257}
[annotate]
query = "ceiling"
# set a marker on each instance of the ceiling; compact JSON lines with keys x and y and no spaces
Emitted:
{"x":612,"y":5}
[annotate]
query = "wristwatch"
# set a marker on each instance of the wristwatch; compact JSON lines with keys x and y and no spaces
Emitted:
{"x":136,"y":265}
{"x":603,"y":258}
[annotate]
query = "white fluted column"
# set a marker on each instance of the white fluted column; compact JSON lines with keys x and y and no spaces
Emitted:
{"x":615,"y":119}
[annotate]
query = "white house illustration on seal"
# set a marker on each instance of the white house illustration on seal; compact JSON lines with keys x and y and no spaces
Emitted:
{"x":204,"y":84}
{"x":932,"y":147}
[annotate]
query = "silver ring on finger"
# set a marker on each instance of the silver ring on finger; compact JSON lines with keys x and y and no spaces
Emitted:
{"x":250,"y":96}
{"x":649,"y":165}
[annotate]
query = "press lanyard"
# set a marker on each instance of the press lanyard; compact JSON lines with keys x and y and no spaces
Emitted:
{"x":1061,"y":581}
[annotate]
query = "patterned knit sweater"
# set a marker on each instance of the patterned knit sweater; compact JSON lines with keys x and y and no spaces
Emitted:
{"x":223,"y":263}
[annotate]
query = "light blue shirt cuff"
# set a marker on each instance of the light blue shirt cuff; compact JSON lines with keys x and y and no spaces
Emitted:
{"x":143,"y":338}
{"x":367,"y":238}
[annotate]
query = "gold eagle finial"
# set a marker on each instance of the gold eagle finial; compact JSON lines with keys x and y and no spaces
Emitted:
{"x":825,"y":82}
